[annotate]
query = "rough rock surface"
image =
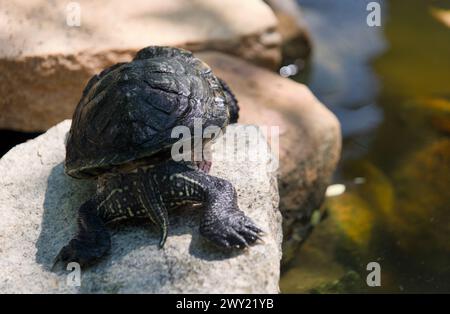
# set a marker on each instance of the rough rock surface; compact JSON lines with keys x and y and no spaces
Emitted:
{"x":38,"y":211}
{"x":40,"y":73}
{"x":309,"y":138}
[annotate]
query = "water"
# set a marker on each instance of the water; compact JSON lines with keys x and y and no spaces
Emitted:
{"x":390,"y":88}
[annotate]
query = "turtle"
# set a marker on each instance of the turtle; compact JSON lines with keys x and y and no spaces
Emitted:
{"x":121,"y":136}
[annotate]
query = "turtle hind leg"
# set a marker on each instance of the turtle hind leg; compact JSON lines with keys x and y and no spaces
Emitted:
{"x":152,"y":201}
{"x":223,"y":223}
{"x":91,"y":242}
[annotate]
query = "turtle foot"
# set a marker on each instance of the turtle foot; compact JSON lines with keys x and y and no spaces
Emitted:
{"x":91,"y":242}
{"x":85,"y":253}
{"x":232,"y":229}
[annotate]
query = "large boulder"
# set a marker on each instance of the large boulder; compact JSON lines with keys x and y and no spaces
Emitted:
{"x":38,"y":205}
{"x":45,"y":59}
{"x":309,"y":138}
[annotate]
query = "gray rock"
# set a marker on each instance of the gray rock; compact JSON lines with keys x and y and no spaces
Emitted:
{"x":38,"y":205}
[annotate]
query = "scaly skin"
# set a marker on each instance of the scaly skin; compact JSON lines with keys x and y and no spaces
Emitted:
{"x":149,"y":192}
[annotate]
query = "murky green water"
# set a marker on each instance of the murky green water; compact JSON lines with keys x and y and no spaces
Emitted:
{"x":394,"y":106}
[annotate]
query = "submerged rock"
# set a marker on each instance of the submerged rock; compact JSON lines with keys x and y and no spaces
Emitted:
{"x":334,"y":258}
{"x":38,"y":204}
{"x":419,"y":220}
{"x":437,"y":110}
{"x":43,"y":74}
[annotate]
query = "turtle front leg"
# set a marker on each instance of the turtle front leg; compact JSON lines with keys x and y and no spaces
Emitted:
{"x":223,"y":222}
{"x":91,"y":242}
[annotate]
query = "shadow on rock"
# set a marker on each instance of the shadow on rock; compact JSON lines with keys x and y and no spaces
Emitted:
{"x":65,"y":195}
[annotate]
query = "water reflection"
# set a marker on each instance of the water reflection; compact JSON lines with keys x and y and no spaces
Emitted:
{"x":343,"y":46}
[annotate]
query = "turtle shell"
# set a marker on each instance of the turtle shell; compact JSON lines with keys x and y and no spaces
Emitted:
{"x":128,"y":111}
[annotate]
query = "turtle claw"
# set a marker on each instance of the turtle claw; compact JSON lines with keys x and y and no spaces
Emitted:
{"x":62,"y":259}
{"x":233,"y":230}
{"x":83,"y":253}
